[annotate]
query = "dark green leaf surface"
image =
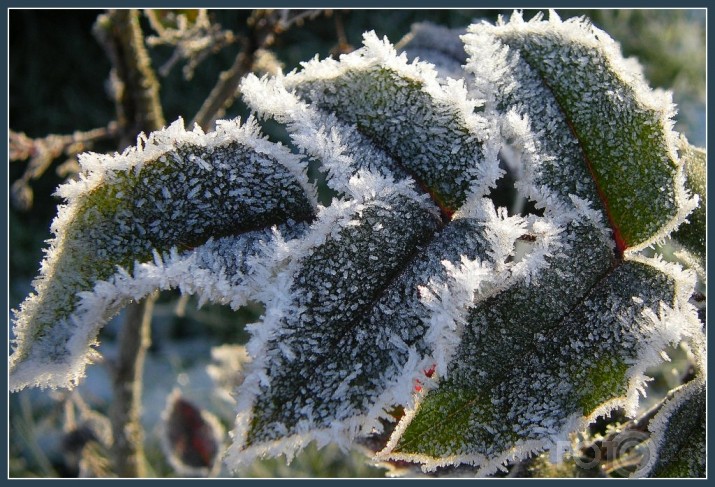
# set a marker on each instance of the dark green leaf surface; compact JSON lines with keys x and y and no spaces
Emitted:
{"x":622,"y":125}
{"x":677,"y":447}
{"x":692,"y":234}
{"x":177,"y":191}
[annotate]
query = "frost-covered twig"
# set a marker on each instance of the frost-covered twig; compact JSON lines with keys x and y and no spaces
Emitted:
{"x":263,"y":26}
{"x":42,"y":151}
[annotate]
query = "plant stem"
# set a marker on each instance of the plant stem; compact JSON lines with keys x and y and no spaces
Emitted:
{"x":134,"y":84}
{"x":125,"y":411}
{"x":262,"y":29}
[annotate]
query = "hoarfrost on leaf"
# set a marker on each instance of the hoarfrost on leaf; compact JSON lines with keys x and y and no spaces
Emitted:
{"x":498,"y":335}
{"x":101,"y":238}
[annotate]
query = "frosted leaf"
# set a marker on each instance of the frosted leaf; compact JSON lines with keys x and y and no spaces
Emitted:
{"x":429,"y":127}
{"x":341,"y":148}
{"x":175,"y":189}
{"x":217,"y":271}
{"x":676,"y":447}
{"x":692,"y":234}
{"x":349,"y":336}
{"x":498,"y":334}
{"x":622,"y":125}
{"x":544,"y":386}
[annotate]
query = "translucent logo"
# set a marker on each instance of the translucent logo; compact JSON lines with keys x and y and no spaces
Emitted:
{"x":622,"y":455}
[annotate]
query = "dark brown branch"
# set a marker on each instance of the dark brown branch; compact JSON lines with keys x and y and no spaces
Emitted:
{"x":125,"y":411}
{"x":43,"y":151}
{"x":134,"y":84}
{"x":261,"y":31}
{"x":263,"y":26}
{"x":343,"y":46}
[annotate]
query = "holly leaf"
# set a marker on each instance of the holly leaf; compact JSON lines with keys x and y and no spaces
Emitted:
{"x":676,"y":447}
{"x":543,"y":359}
{"x":174,"y":190}
{"x":499,"y":334}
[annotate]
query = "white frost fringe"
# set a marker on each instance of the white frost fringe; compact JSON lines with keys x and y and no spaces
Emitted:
{"x":483,"y":47}
{"x":170,"y":271}
{"x":98,"y":168}
{"x":278,"y":268}
{"x":659,"y":424}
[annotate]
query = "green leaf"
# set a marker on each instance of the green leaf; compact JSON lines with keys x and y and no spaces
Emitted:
{"x":499,"y":334}
{"x":678,"y":436}
{"x":518,"y":389}
{"x":621,"y":126}
{"x":692,"y":233}
{"x":429,"y":129}
{"x":126,"y":207}
{"x":502,"y":399}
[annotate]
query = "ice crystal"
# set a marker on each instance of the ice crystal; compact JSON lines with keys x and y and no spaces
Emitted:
{"x":125,"y":208}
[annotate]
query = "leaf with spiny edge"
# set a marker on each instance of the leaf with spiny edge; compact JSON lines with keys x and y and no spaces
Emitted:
{"x":623,"y":126}
{"x":676,"y":447}
{"x":409,"y":288}
{"x":542,"y":390}
{"x":427,"y":125}
{"x":505,"y":406}
{"x":176,"y":189}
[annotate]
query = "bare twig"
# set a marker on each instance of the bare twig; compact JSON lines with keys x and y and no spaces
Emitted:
{"x":43,"y":151}
{"x":193,"y":39}
{"x":134,"y":84}
{"x":263,"y":26}
{"x":125,"y":411}
{"x":261,"y":33}
{"x":343,"y":46}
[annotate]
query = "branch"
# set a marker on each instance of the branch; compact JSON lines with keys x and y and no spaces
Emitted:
{"x":134,"y":84}
{"x":136,"y":94}
{"x":42,"y":151}
{"x":193,"y":39}
{"x":263,"y":26}
{"x":125,"y":411}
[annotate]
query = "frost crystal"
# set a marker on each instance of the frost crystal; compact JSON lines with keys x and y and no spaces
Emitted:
{"x":525,"y":377}
{"x":573,"y":75}
{"x":429,"y":128}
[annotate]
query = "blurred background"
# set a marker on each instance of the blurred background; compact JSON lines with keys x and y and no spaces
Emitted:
{"x":58,"y":76}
